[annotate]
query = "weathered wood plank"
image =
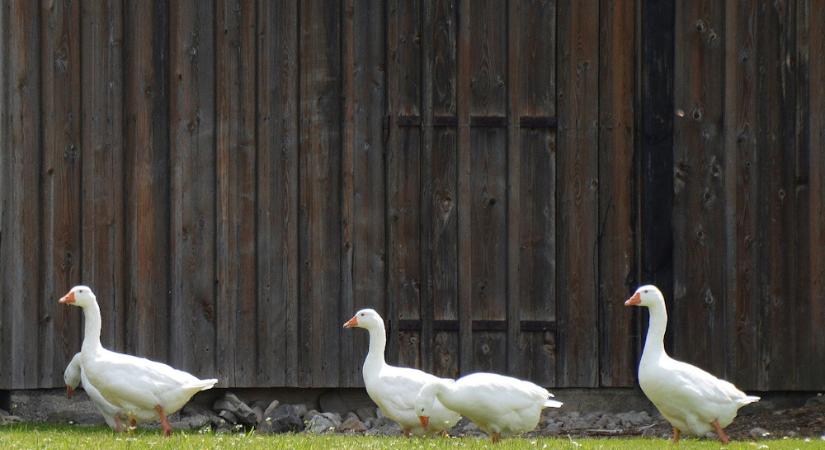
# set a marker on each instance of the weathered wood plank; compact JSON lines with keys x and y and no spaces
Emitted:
{"x":514,"y":198}
{"x":103,"y":165}
{"x":427,"y":210}
{"x":488,"y":191}
{"x":363,"y":227}
{"x":235,"y":177}
{"x":487,"y":58}
{"x":743,"y":310}
{"x":656,"y":189}
{"x":320,"y":190}
{"x":277,"y":191}
{"x":537,"y":252}
{"x":698,"y":319}
{"x":21,"y":249}
{"x":147,"y":177}
{"x":577,"y":166}
{"x":537,"y":62}
{"x":441,"y":162}
{"x":60,"y":180}
{"x":192,"y":195}
{"x":776,"y":210}
{"x":5,"y":190}
{"x":464,"y":198}
{"x":617,"y":249}
{"x":814,"y":134}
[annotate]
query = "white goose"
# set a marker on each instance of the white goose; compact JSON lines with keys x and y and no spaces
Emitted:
{"x":394,"y":389}
{"x":137,"y":387}
{"x":73,"y":375}
{"x":692,"y":400}
{"x":496,"y":403}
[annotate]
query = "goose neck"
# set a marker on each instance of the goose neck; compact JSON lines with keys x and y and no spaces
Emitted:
{"x":375,"y":356}
{"x":657,"y":325}
{"x":91,"y":323}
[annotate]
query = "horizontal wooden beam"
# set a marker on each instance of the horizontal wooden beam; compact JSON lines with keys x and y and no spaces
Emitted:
{"x":478,"y":325}
{"x":533,"y":122}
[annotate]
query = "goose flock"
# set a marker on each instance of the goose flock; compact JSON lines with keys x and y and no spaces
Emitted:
{"x":128,"y":389}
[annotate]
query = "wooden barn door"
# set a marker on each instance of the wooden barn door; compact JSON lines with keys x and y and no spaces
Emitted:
{"x":493,"y":186}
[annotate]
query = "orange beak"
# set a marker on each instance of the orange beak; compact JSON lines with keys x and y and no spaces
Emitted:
{"x":67,"y":299}
{"x":69,"y":391}
{"x":425,"y":421}
{"x":635,"y":300}
{"x":352,"y":323}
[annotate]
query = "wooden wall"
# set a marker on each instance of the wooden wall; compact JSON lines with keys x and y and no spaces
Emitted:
{"x":236,"y":178}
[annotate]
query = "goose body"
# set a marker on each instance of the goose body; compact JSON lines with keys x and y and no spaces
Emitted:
{"x":691,"y":399}
{"x":136,"y":387}
{"x":498,"y":404}
{"x":394,"y":389}
{"x":73,"y":376}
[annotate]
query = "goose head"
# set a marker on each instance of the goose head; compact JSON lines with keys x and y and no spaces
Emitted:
{"x":80,"y":295}
{"x":365,"y":318}
{"x":647,"y":295}
{"x":424,"y":403}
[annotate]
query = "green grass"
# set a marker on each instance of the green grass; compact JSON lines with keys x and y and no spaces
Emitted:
{"x":68,"y":437}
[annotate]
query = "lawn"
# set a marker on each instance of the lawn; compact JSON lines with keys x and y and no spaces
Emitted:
{"x":66,"y":437}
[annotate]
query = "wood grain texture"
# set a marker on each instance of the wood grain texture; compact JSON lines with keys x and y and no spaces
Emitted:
{"x":699,"y":202}
{"x":60,"y":179}
{"x":577,"y":198}
{"x":146,"y":114}
{"x":464,"y":198}
{"x":236,"y":91}
{"x":193,"y":171}
{"x":5,"y":335}
{"x":319,"y":192}
{"x":616,"y":170}
{"x":21,"y":249}
{"x":277,"y":190}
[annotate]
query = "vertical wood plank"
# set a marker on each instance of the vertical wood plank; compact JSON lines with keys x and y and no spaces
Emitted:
{"x":656,"y":167}
{"x":536,"y":243}
{"x":513,"y":213}
{"x":235,"y":177}
{"x":404,"y":157}
{"x":277,"y":191}
{"x":5,"y":189}
{"x":616,"y":238}
{"x":60,"y":180}
{"x":442,"y":163}
{"x":192,"y":194}
{"x":103,"y":169}
{"x":488,"y":58}
{"x":577,"y":215}
{"x":364,"y":263}
{"x":464,"y":199}
{"x":426,"y":205}
{"x":21,"y":250}
{"x":776,"y":210}
{"x":320,"y":191}
{"x":147,"y":173}
{"x":698,"y":319}
{"x":741,"y":191}
{"x":815,"y":134}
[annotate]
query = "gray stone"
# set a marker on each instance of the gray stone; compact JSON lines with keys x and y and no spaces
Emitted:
{"x":365,"y":413}
{"x":552,"y":427}
{"x":300,"y":409}
{"x":382,"y":426}
{"x":633,"y":419}
{"x":281,"y":419}
{"x":9,"y":419}
{"x":259,"y":413}
{"x":270,"y":408}
{"x":231,"y":403}
{"x":228,"y":416}
{"x":319,"y":424}
{"x":817,"y":400}
{"x":465,"y":427}
{"x":351,"y":424}
{"x":759,"y":432}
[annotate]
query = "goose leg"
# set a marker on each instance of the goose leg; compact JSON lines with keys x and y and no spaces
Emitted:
{"x":719,"y":431}
{"x":495,"y":437}
{"x":164,"y":423}
{"x":132,"y":422}
{"x":407,"y":432}
{"x":118,"y":426}
{"x":677,"y":433}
